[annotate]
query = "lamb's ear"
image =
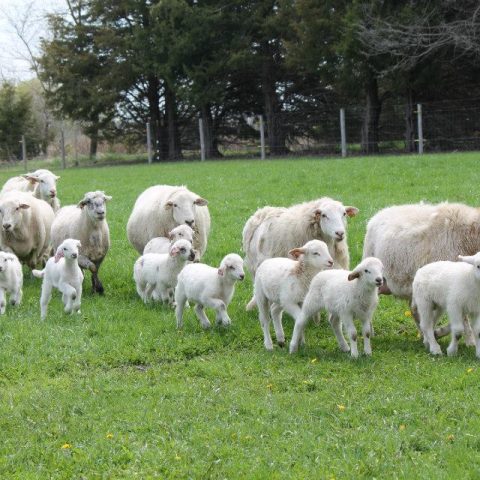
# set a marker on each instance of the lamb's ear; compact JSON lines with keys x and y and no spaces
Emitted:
{"x":221,"y":271}
{"x":31,"y":178}
{"x":169,"y":235}
{"x":296,"y":252}
{"x":467,"y":259}
{"x":201,"y":202}
{"x":168,"y":205}
{"x":24,"y":206}
{"x":59,"y":254}
{"x":351,"y":211}
{"x":353,"y":275}
{"x":79,"y":244}
{"x":10,"y":256}
{"x":174,"y":251}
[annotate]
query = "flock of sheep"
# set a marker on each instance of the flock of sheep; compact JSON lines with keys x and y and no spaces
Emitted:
{"x":298,"y":258}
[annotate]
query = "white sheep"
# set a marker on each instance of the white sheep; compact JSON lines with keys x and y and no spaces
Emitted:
{"x":163,"y":244}
{"x":11,"y":280}
{"x":26,"y":223}
{"x":345,"y":295}
{"x":155,"y":274}
{"x":87,"y":222}
{"x":161,"y":208}
{"x":62,"y":272}
{"x":452,"y":287}
{"x":208,"y":287}
{"x":282,"y":283}
{"x":273,"y":231}
{"x":42,"y":182}
{"x":407,"y":237}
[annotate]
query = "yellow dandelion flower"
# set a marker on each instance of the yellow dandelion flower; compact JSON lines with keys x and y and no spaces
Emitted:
{"x":65,"y":446}
{"x":341,"y":407}
{"x":469,"y":370}
{"x":109,"y":435}
{"x":408,"y":313}
{"x":402,"y":427}
{"x":270,"y":386}
{"x":450,"y":438}
{"x":177,"y":457}
{"x":314,"y":360}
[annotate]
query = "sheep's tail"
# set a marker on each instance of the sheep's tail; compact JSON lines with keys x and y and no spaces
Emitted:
{"x":38,"y":273}
{"x":251,"y":304}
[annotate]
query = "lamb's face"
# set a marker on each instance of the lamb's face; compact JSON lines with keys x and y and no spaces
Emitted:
{"x":473,"y":260}
{"x":316,"y":254}
{"x":182,"y":232}
{"x":232,"y":266}
{"x":182,"y":249}
{"x":370,"y":271}
{"x":11,"y":213}
{"x":96,"y":205}
{"x":68,"y":249}
{"x":182,"y":205}
{"x":6,"y":259}
{"x":332,"y":218}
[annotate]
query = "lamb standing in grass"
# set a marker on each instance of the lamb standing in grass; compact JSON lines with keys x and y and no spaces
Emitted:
{"x":11,"y":280}
{"x":453,"y":287}
{"x":282,"y":283}
{"x":155,"y":274}
{"x":63,"y":273}
{"x":345,"y":295}
{"x":163,"y":244}
{"x":208,"y":287}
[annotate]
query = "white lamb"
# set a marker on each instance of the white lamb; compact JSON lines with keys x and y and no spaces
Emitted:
{"x":282,"y":283}
{"x":208,"y":287}
{"x":62,"y":272}
{"x":155,"y":274}
{"x":11,"y":280}
{"x":453,"y":287}
{"x":345,"y":295}
{"x":163,"y":244}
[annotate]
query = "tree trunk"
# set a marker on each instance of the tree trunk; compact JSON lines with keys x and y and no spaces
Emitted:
{"x":93,"y":142}
{"x":371,"y":116}
{"x":174,"y":148}
{"x":209,"y":133}
{"x":159,"y":137}
{"x":409,"y":122}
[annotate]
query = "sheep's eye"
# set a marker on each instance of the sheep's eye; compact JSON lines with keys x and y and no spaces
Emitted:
{"x":324,"y":215}
{"x":180,"y":234}
{"x":42,"y":181}
{"x":316,"y":253}
{"x":231,"y":267}
{"x":182,"y":250}
{"x":366,"y":271}
{"x":344,"y":214}
{"x":175,"y":205}
{"x":478,"y":266}
{"x":64,"y":249}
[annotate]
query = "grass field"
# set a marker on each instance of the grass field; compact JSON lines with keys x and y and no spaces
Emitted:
{"x":118,"y":392}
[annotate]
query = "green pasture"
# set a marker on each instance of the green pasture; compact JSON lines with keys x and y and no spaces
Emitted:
{"x":118,"y":393}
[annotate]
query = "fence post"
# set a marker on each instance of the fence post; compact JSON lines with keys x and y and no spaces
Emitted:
{"x":343,"y":135}
{"x":62,"y":147}
{"x":420,"y":128}
{"x":149,"y":143}
{"x":262,"y":137}
{"x":24,"y":152}
{"x":75,"y":142}
{"x":202,"y":139}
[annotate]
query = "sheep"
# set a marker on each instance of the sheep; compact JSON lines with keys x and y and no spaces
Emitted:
{"x":208,"y":287}
{"x":162,"y":244}
{"x":62,"y":272}
{"x":155,"y":274}
{"x":453,"y":287}
{"x":87,"y":222}
{"x":26,"y":223}
{"x":161,"y":208}
{"x":11,"y":280}
{"x":282,"y":283}
{"x":407,"y":237}
{"x":345,"y":295}
{"x":42,"y":182}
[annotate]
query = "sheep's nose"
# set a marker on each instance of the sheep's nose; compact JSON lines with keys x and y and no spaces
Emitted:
{"x":190,"y":223}
{"x":6,"y":226}
{"x":53,"y":193}
{"x":242,"y":276}
{"x":74,"y":255}
{"x":379,"y":281}
{"x":330,"y":263}
{"x":340,"y":235}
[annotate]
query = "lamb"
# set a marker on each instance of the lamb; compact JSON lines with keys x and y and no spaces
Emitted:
{"x":155,"y":274}
{"x":163,"y":244}
{"x":407,"y":237}
{"x":208,"y":287}
{"x":26,"y":223}
{"x":282,"y":283}
{"x":63,"y":273}
{"x":161,"y":208}
{"x":345,"y":295}
{"x":42,"y":182}
{"x":11,"y":280}
{"x":273,"y":231}
{"x":87,"y":222}
{"x":453,"y":287}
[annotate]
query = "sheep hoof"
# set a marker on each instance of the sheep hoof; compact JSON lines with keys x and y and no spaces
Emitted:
{"x":92,"y":268}
{"x":281,"y":344}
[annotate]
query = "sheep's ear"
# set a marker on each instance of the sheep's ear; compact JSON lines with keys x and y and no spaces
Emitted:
{"x":351,"y":211}
{"x":31,"y":178}
{"x":201,"y":202}
{"x":10,"y":256}
{"x":467,"y":259}
{"x":170,"y":235}
{"x":59,"y":254}
{"x":83,"y":202}
{"x":168,"y":205}
{"x":296,"y":252}
{"x":24,"y":206}
{"x":107,"y":197}
{"x":174,"y":251}
{"x":79,"y":244}
{"x":221,"y":271}
{"x":317,"y":214}
{"x":353,"y":275}
{"x":57,"y":177}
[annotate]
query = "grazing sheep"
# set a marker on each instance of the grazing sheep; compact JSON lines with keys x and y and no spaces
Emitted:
{"x":42,"y":182}
{"x":63,"y":273}
{"x":345,"y":295}
{"x":26,"y":223}
{"x":281,"y":284}
{"x":87,"y":222}
{"x":407,"y":237}
{"x":11,"y":280}
{"x":155,"y":274}
{"x":161,"y":208}
{"x":163,"y":244}
{"x":453,"y":287}
{"x":208,"y":287}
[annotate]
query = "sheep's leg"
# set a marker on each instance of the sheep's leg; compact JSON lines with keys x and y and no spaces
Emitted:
{"x":45,"y":298}
{"x":367,"y":333}
{"x":16,"y":297}
{"x":347,"y":320}
{"x":221,"y":309}
{"x":476,"y":332}
{"x":276,"y":314}
{"x":147,"y":293}
{"x":3,"y":302}
{"x":141,"y":289}
{"x":456,"y":324}
{"x":77,"y":301}
{"x":298,"y":332}
{"x":470,"y":339}
{"x":337,"y":330}
{"x":69,"y":296}
{"x":264,"y":316}
{"x":428,"y":319}
{"x":204,"y":321}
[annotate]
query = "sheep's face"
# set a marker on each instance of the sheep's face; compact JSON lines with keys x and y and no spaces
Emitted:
{"x":183,"y":250}
{"x":68,"y":249}
{"x":232,"y":266}
{"x":182,"y":232}
{"x":332,"y":218}
{"x":316,"y":254}
{"x":182,"y":205}
{"x":473,"y":260}
{"x":11,"y":213}
{"x":6,"y":259}
{"x":370,"y":271}
{"x":46,"y":183}
{"x":96,"y":205}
